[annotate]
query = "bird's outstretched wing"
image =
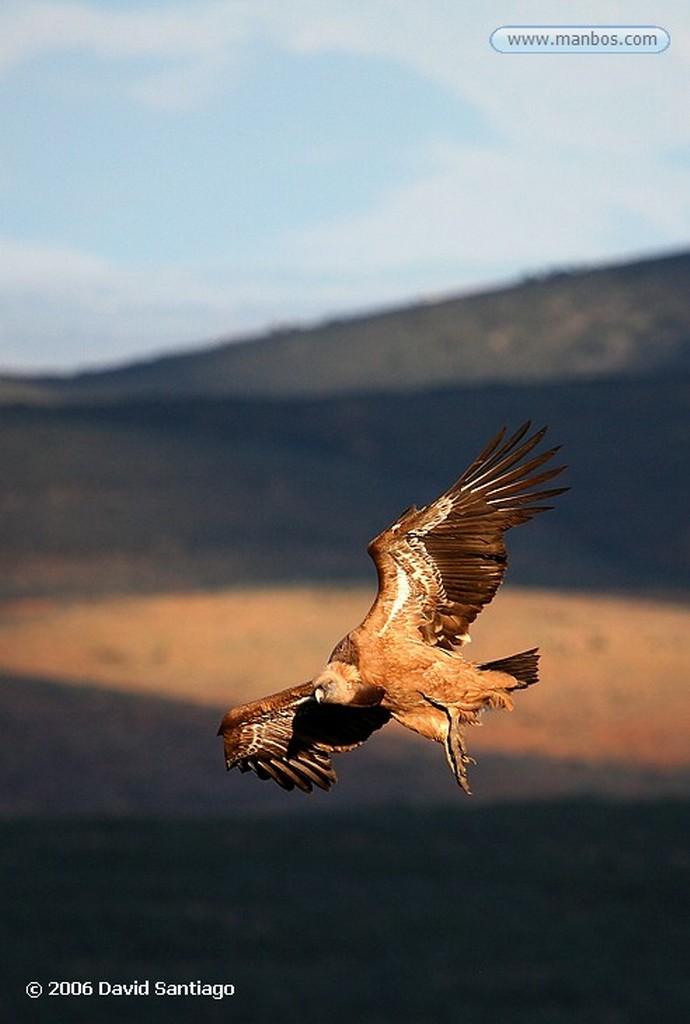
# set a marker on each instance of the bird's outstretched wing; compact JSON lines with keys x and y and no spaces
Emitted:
{"x":438,"y":566}
{"x":289,"y":737}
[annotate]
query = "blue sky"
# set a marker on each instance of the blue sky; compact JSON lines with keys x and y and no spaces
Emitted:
{"x":173,"y":173}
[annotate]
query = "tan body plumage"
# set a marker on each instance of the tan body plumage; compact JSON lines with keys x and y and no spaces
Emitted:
{"x":437,"y":566}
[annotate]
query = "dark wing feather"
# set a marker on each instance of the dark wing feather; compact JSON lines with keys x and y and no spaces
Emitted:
{"x":289,"y":737}
{"x":438,"y":566}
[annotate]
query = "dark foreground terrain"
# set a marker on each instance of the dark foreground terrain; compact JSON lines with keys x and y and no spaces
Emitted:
{"x":562,"y":912}
{"x":178,"y":495}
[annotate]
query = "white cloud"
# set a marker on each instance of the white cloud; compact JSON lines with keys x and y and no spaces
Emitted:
{"x":491,"y":206}
{"x":191,"y":43}
{"x":62,"y":308}
{"x":30,"y":29}
{"x":198,"y":45}
{"x":614,"y":102}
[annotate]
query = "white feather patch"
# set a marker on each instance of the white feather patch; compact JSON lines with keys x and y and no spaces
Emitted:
{"x":438,"y":513}
{"x":400,"y":598}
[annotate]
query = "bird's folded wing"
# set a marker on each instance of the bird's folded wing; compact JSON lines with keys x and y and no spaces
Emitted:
{"x":289,"y":737}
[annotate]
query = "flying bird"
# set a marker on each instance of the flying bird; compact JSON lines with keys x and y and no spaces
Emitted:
{"x":437,"y":566}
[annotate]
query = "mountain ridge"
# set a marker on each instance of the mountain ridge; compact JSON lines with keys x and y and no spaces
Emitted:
{"x":629,"y":319}
{"x":131,"y":479}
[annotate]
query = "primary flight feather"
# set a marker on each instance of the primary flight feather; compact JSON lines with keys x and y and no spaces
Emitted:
{"x":437,"y":566}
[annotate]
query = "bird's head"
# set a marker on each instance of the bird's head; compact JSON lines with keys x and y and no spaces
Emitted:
{"x":340,"y":683}
{"x":331,"y":687}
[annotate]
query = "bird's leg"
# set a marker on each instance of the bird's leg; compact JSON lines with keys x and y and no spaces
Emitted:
{"x":454,"y":742}
{"x":457,"y":755}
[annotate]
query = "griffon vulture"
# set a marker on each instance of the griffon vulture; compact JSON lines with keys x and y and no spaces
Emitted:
{"x":437,"y":568}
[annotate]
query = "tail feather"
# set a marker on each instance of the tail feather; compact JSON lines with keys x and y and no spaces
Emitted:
{"x":524,"y":667}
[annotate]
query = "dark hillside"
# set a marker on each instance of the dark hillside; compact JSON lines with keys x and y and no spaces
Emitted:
{"x":627,"y":320}
{"x":156,"y":495}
